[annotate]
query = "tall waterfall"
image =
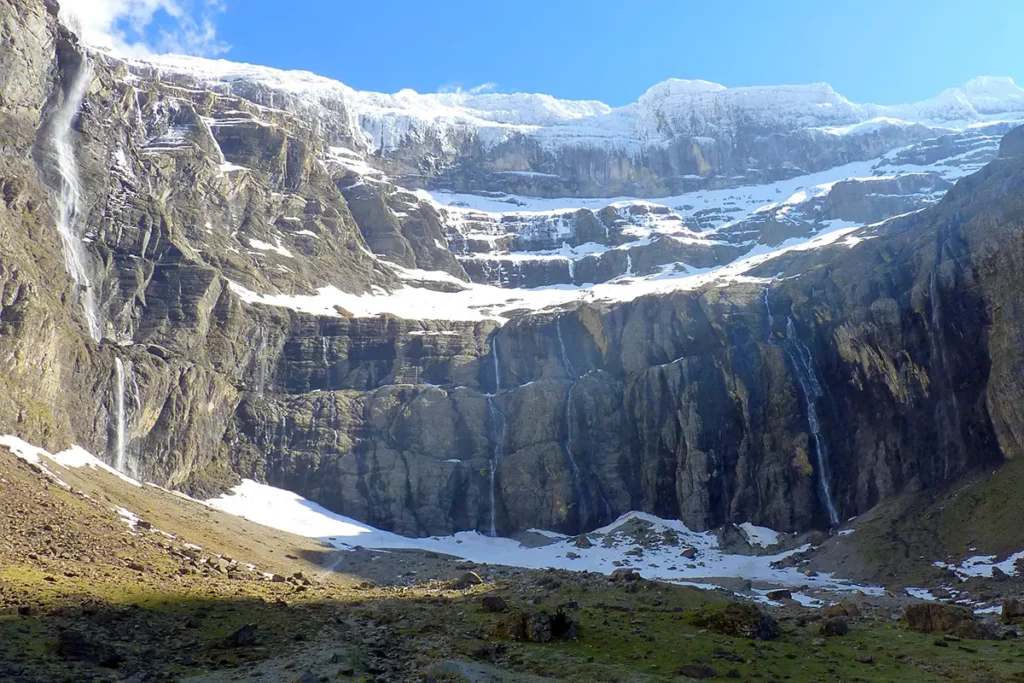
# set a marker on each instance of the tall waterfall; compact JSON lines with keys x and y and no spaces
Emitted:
{"x":771,"y":319}
{"x":803,"y":362}
{"x":577,"y":480}
{"x":70,"y":199}
{"x":261,"y":358}
{"x":497,"y":436}
{"x":496,"y":364}
{"x":121,"y":419}
{"x":127,"y":385}
{"x":566,"y":365}
{"x":951,"y":425}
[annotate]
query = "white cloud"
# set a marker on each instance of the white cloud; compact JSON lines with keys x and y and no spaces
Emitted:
{"x":456,"y":89}
{"x":141,"y":27}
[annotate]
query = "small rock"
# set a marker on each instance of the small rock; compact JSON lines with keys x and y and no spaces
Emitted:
{"x":865,"y":658}
{"x":624,"y":574}
{"x":77,"y":645}
{"x":781,"y":594}
{"x":1012,"y":609}
{"x":467,"y":579}
{"x":834,"y":626}
{"x":689,"y":553}
{"x":697,"y":671}
{"x":572,"y":556}
{"x":493,"y":603}
{"x":243,"y":637}
{"x":583,"y":542}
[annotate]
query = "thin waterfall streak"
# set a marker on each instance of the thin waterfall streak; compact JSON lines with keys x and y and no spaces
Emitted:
{"x":581,"y":499}
{"x":938,"y":349}
{"x":496,"y":364}
{"x":771,"y":320}
{"x":121,"y":462}
{"x":261,"y":381}
{"x":566,"y":365}
{"x":497,"y":435}
{"x":69,"y":205}
{"x":812,"y":391}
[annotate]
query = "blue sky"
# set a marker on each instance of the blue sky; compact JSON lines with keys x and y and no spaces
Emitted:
{"x":870,"y":50}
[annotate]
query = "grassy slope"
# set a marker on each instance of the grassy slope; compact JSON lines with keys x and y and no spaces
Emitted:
{"x":162,"y":620}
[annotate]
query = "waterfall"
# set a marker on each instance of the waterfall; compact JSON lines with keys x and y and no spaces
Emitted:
{"x":124,"y":461}
{"x":70,"y":200}
{"x":261,"y":353}
{"x":771,"y":320}
{"x":803,"y":363}
{"x":497,"y":436}
{"x":119,"y":464}
{"x":566,"y":365}
{"x":572,"y":271}
{"x":938,"y":352}
{"x":323,"y":350}
{"x":577,"y":480}
{"x":496,"y":364}
{"x":629,"y":264}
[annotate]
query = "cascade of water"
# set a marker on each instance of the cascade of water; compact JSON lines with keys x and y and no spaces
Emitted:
{"x":938,"y":350}
{"x":566,"y":365}
{"x":803,"y":363}
{"x":497,"y":435}
{"x":577,"y":480}
{"x":629,"y":264}
{"x":771,"y":319}
{"x":496,"y":364}
{"x":572,"y":270}
{"x":221,"y":159}
{"x":122,"y":429}
{"x":126,"y":386}
{"x":261,"y":351}
{"x":323,"y":350}
{"x":70,"y":199}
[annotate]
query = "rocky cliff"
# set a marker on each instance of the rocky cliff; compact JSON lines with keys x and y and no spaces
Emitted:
{"x":205,"y":288}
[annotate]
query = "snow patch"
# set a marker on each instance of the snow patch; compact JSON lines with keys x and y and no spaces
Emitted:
{"x":292,"y":513}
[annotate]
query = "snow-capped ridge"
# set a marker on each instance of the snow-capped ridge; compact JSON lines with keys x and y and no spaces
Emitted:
{"x":666,"y":111}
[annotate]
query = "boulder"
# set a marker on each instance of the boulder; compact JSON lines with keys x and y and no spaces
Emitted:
{"x":538,"y":627}
{"x":742,"y":620}
{"x":624,"y":574}
{"x":78,"y":645}
{"x":1013,"y":609}
{"x":467,"y":580}
{"x":834,"y":626}
{"x":700,"y":671}
{"x":930,"y":617}
{"x":493,"y":603}
{"x":243,"y":637}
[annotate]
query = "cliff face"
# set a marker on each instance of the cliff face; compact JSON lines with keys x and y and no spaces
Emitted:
{"x":806,"y":386}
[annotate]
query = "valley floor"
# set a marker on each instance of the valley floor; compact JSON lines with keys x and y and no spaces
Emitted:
{"x":178,"y":590}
